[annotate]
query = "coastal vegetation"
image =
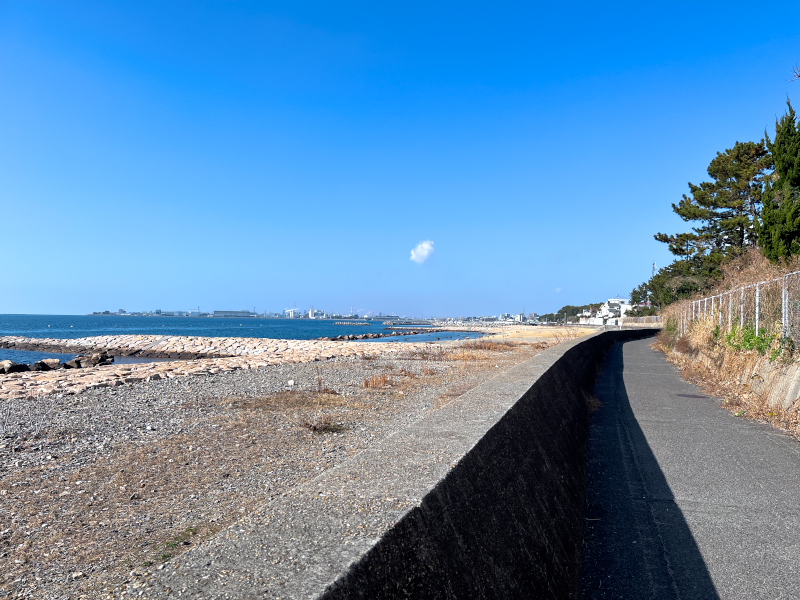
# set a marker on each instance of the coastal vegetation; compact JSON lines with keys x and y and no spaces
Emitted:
{"x":569,"y":312}
{"x":739,"y":343}
{"x":750,"y":203}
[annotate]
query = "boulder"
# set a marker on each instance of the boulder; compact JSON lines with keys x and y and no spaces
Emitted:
{"x":52,"y":363}
{"x":9,"y":366}
{"x":75,"y":363}
{"x":101,"y":358}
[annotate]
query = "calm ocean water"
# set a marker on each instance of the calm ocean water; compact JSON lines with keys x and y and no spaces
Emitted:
{"x":78,"y":326}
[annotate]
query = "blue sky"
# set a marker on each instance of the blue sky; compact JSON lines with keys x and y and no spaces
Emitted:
{"x":238,"y":154}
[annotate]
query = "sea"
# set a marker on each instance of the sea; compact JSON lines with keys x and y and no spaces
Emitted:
{"x":79,"y":326}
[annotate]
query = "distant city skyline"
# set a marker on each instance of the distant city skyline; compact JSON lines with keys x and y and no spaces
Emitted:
{"x":299,"y":312}
{"x":445,"y":159}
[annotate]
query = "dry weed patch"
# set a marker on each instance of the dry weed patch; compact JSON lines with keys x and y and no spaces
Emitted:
{"x":491,"y":345}
{"x":485,"y":350}
{"x":737,"y":397}
{"x":292,"y":399}
{"x":379,"y":381}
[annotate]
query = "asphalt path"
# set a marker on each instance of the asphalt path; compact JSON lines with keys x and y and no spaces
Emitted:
{"x":685,"y":500}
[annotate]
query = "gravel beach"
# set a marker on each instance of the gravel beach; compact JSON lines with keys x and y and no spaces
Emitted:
{"x":120,"y":480}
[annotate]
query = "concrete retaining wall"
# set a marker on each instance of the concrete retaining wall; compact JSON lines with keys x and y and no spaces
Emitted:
{"x":507,"y":521}
{"x":775,"y":381}
{"x":482,"y":498}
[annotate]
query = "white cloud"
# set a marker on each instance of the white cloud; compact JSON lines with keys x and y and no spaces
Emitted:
{"x":423,"y":250}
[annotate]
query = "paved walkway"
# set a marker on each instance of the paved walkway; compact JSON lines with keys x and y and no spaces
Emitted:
{"x":685,"y":500}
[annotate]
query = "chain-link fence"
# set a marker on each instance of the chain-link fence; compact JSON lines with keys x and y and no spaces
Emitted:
{"x":771,"y":306}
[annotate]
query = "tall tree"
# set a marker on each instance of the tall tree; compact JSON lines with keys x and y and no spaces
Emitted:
{"x":780,"y":220}
{"x":726,"y":208}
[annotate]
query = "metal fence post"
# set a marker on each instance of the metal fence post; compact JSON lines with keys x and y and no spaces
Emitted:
{"x":758,"y":306}
{"x":730,"y":311}
{"x":741,"y":311}
{"x":785,"y":306}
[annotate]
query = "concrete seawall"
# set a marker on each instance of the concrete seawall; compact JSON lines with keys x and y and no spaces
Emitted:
{"x":483,"y":498}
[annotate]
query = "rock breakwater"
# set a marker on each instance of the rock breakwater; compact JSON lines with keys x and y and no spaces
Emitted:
{"x":198,"y":356}
{"x":51,"y":364}
{"x":375,"y":336}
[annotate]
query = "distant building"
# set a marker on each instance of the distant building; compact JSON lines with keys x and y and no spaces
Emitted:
{"x":611,"y":310}
{"x":234,"y":313}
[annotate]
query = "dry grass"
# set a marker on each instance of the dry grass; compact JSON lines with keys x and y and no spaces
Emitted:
{"x":483,"y":349}
{"x":490,"y":345}
{"x":400,"y":381}
{"x":751,"y":268}
{"x":321,"y":424}
{"x":725,"y":383}
{"x":288,"y":400}
{"x":548,"y":332}
{"x":379,"y":381}
{"x":684,"y":345}
{"x":748,"y":269}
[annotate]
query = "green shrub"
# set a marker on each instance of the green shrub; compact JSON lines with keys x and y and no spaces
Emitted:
{"x":747,"y":338}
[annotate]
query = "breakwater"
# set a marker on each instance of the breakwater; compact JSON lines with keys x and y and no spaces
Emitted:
{"x":198,"y":356}
{"x":162,"y":346}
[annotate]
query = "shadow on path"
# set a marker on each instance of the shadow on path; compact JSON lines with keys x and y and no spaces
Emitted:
{"x":637,"y":543}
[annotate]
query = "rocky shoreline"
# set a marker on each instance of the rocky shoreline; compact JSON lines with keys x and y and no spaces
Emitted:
{"x":195,"y":356}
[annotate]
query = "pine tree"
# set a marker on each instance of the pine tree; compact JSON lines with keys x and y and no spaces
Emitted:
{"x":727,"y":208}
{"x":779,"y":230}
